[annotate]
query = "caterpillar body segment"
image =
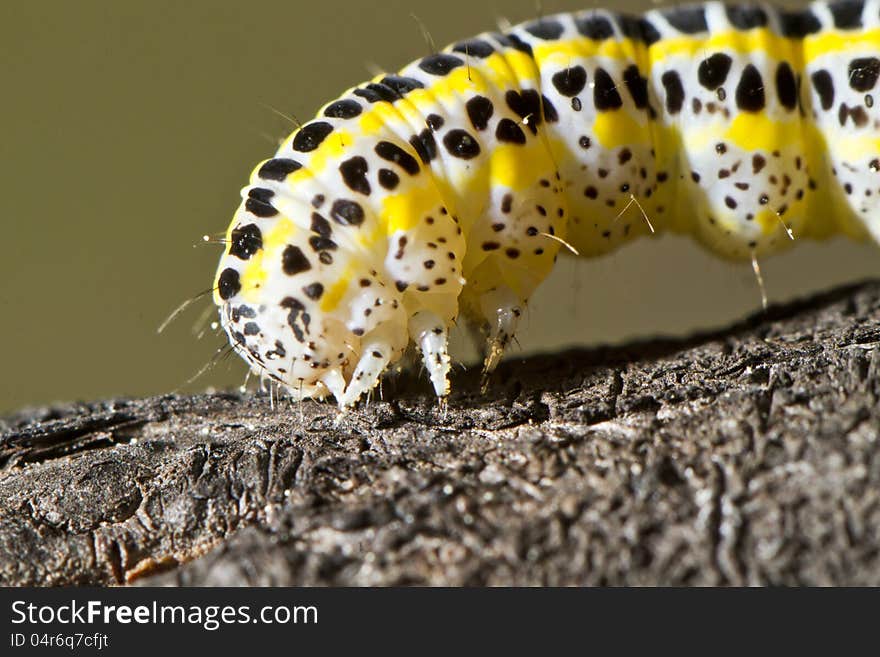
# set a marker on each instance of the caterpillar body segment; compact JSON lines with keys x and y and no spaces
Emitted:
{"x":448,"y":189}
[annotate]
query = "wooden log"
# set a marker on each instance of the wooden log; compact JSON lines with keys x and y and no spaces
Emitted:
{"x":746,"y":456}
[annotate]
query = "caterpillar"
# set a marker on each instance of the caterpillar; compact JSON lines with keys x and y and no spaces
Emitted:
{"x":448,"y":189}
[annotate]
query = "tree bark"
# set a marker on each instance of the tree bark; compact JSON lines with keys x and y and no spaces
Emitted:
{"x":746,"y":456}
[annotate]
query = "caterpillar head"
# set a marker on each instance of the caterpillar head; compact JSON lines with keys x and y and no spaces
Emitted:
{"x":302,"y":304}
{"x":321,"y":298}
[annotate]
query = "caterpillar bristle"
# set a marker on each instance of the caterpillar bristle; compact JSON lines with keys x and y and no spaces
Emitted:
{"x":183,"y":306}
{"x":426,"y":35}
{"x":290,"y":118}
{"x":633,"y":199}
{"x":756,"y":267}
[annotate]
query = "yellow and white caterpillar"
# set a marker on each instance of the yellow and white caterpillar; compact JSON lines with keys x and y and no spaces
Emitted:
{"x":449,"y":188}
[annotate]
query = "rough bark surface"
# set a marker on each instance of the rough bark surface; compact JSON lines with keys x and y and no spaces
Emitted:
{"x":748,"y":456}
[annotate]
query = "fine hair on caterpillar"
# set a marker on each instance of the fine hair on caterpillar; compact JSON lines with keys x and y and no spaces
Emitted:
{"x":448,"y":189}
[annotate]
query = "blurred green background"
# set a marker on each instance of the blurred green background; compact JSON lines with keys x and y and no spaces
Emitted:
{"x":129,"y":127}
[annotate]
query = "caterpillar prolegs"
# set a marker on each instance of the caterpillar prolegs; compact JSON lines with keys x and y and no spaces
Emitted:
{"x":448,"y":189}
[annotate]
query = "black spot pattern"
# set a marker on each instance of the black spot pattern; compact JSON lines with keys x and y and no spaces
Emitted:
{"x":474,"y":48}
{"x":434,"y":121}
{"x":245,"y":241}
{"x":674,"y":91}
{"x":688,"y":20}
{"x":425,"y":145}
{"x":798,"y":24}
{"x":278,"y":169}
{"x":638,"y":29}
{"x":294,"y":261}
{"x":228,"y":284}
{"x":313,"y":291}
{"x":320,"y":225}
{"x":515,"y":42}
{"x":824,"y":86}
{"x":343,"y":109}
{"x":259,"y":202}
{"x":388,"y":179}
{"x":391,"y":152}
{"x":597,"y":28}
{"x":847,"y":14}
{"x":296,"y":316}
{"x":550,"y":113}
{"x":461,"y":144}
{"x":376,"y":93}
{"x":637,"y":85}
{"x":858,"y":115}
{"x":545,"y":28}
{"x":863,"y":73}
{"x":650,"y":33}
{"x":605,"y":95}
{"x":758,"y":163}
{"x":311,"y":135}
{"x":509,"y":131}
{"x":526,"y":104}
{"x":786,"y":86}
{"x":401,"y":85}
{"x":243,"y":311}
{"x":479,"y":110}
{"x":320,"y":244}
{"x":746,"y":17}
{"x":750,"y":90}
{"x":347,"y":213}
{"x":440,"y":64}
{"x":570,"y":81}
{"x":354,"y":174}
{"x":713,"y":70}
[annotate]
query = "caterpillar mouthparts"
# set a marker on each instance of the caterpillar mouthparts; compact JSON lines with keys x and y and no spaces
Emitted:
{"x":449,"y":188}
